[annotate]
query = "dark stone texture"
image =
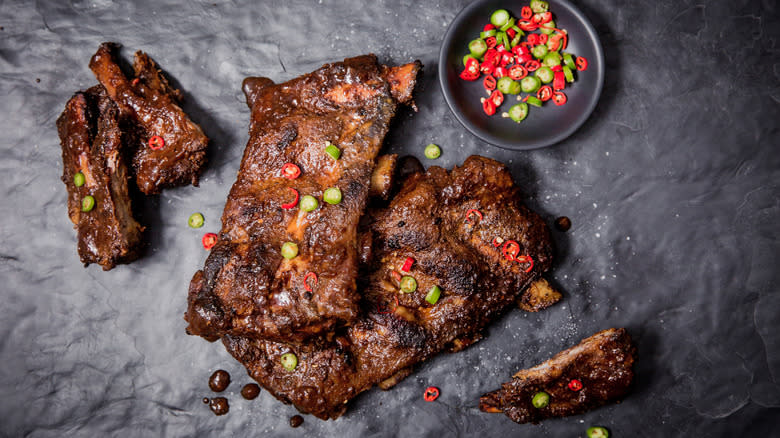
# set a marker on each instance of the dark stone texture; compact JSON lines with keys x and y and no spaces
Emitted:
{"x":672,"y":187}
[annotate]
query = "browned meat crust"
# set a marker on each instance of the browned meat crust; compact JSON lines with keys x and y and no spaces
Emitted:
{"x":151,"y":103}
{"x":93,"y":144}
{"x":603,"y":363}
{"x":396,"y":331}
{"x":247,"y":288}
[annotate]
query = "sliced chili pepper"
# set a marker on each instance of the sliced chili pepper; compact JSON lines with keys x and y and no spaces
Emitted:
{"x":396,"y":276}
{"x":556,"y":68}
{"x":555,"y":42}
{"x":517,"y":72}
{"x":471,"y":71}
{"x":527,"y":26}
{"x":510,"y":250}
{"x":407,"y":265}
{"x":545,"y":93}
{"x":526,"y":259}
{"x":500,"y":72}
{"x":294,"y":202}
{"x":519,"y":50}
{"x":559,"y":98}
{"x":546,"y":17}
{"x":489,"y":107}
{"x":135,"y":82}
{"x":525,"y":57}
{"x":575,"y":384}
{"x":487,"y":67}
{"x":306,"y":281}
{"x":488,"y":27}
{"x":497,"y":241}
{"x":497,"y":97}
{"x":532,"y":65}
{"x":536,"y":18}
{"x":156,"y":142}
{"x":492,"y":56}
{"x":511,"y":33}
{"x":491,"y":42}
{"x":543,"y":38}
{"x":476,"y":212}
{"x":431,"y":393}
{"x":526,"y":13}
{"x":291,"y":171}
{"x":209,"y":240}
{"x":559,"y":80}
{"x":533,"y":39}
{"x":506,"y":58}
{"x":382,"y":309}
{"x":582,"y":63}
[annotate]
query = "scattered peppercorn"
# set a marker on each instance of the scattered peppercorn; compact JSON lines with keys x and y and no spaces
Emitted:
{"x":250,"y":391}
{"x":296,"y":420}
{"x":219,"y":381}
{"x":219,"y":406}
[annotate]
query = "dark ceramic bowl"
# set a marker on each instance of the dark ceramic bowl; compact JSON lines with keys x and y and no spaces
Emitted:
{"x":543,"y":126}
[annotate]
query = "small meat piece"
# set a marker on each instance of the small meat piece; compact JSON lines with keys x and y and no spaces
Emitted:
{"x":425,"y":221}
{"x":93,"y":144}
{"x":247,"y":288}
{"x":382,"y":179}
{"x":541,"y":296}
{"x":602,"y":364}
{"x":152,"y":105}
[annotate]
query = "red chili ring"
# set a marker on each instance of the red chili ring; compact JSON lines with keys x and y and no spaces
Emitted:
{"x":291,"y":171}
{"x":407,"y":264}
{"x":575,"y":385}
{"x":582,"y":63}
{"x":306,"y":278}
{"x":431,"y":393}
{"x":156,"y":142}
{"x":468,"y":215}
{"x":489,"y":83}
{"x":209,"y":240}
{"x":506,"y":252}
{"x":396,"y":276}
{"x":295,"y":201}
{"x":526,"y":259}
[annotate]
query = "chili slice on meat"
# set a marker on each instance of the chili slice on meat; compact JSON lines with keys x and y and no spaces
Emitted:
{"x":306,"y":281}
{"x":291,"y":171}
{"x":292,"y":204}
{"x":510,"y":250}
{"x":407,"y":264}
{"x":156,"y":142}
{"x":476,"y":212}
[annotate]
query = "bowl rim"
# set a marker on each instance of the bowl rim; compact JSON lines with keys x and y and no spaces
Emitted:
{"x":497,"y":141}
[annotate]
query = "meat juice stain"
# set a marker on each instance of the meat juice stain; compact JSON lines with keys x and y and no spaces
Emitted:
{"x":219,"y":381}
{"x":219,"y":406}
{"x":296,"y":421}
{"x":563,"y":223}
{"x":250,"y":391}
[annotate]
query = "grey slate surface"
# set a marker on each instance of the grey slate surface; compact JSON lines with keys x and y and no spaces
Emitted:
{"x":672,"y":186}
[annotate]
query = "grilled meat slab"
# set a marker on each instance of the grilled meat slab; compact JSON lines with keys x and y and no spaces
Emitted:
{"x":93,"y":144}
{"x":246,"y":287}
{"x":152,"y":104}
{"x":425,"y":221}
{"x":602,"y":363}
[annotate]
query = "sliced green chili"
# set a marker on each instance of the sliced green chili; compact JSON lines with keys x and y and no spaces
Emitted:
{"x":332,"y":195}
{"x":539,"y":51}
{"x":195,"y":220}
{"x":433,"y":295}
{"x":88,"y":203}
{"x":597,"y":432}
{"x":541,"y":400}
{"x":551,"y":59}
{"x":78,"y":179}
{"x":569,"y":61}
{"x":499,"y":18}
{"x":539,"y":6}
{"x":408,"y":284}
{"x":547,"y":27}
{"x":432,"y":151}
{"x":568,"y":74}
{"x":518,"y":112}
{"x":530,"y":84}
{"x":531,"y":100}
{"x":309,"y":203}
{"x":545,"y":74}
{"x":289,"y":250}
{"x":487,"y":33}
{"x":332,"y":150}
{"x":478,"y":47}
{"x":289,"y":361}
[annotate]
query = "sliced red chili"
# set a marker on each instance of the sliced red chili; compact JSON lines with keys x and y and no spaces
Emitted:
{"x":545,"y":93}
{"x":488,"y":27}
{"x":536,"y":18}
{"x":396,"y":276}
{"x":493,"y":57}
{"x":575,"y":384}
{"x":306,"y":281}
{"x":559,"y":98}
{"x":545,"y":17}
{"x":526,"y":259}
{"x":291,"y":171}
{"x":407,"y":264}
{"x":510,"y":250}
{"x":532,"y":65}
{"x":527,"y":26}
{"x":556,"y":68}
{"x":489,"y":83}
{"x":292,"y":204}
{"x":474,"y":211}
{"x":506,"y":58}
{"x":555,"y":42}
{"x":209,"y":240}
{"x":511,"y":33}
{"x":135,"y":82}
{"x":471,"y":72}
{"x":582,"y":63}
{"x":533,"y":39}
{"x":156,"y":142}
{"x":487,"y":67}
{"x":500,"y":72}
{"x":517,"y":72}
{"x":543,"y":38}
{"x":497,"y":97}
{"x":519,"y":50}
{"x":525,"y":57}
{"x":526,"y":13}
{"x":431,"y":393}
{"x":489,"y":107}
{"x":559,"y":80}
{"x":491,"y":42}
{"x":497,"y":241}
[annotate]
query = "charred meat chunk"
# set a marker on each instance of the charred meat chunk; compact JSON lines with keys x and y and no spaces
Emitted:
{"x":451,"y":250}
{"x":178,"y":155}
{"x":93,"y":150}
{"x":593,"y":373}
{"x":247,"y":287}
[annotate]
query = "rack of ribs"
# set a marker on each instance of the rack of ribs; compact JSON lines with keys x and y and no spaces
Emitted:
{"x":94,"y":145}
{"x":449,"y":223}
{"x":594,"y":372}
{"x":153,"y":106}
{"x":246,"y":287}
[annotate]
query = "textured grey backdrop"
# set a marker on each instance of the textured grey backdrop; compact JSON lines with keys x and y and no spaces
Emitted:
{"x":672,"y":187}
